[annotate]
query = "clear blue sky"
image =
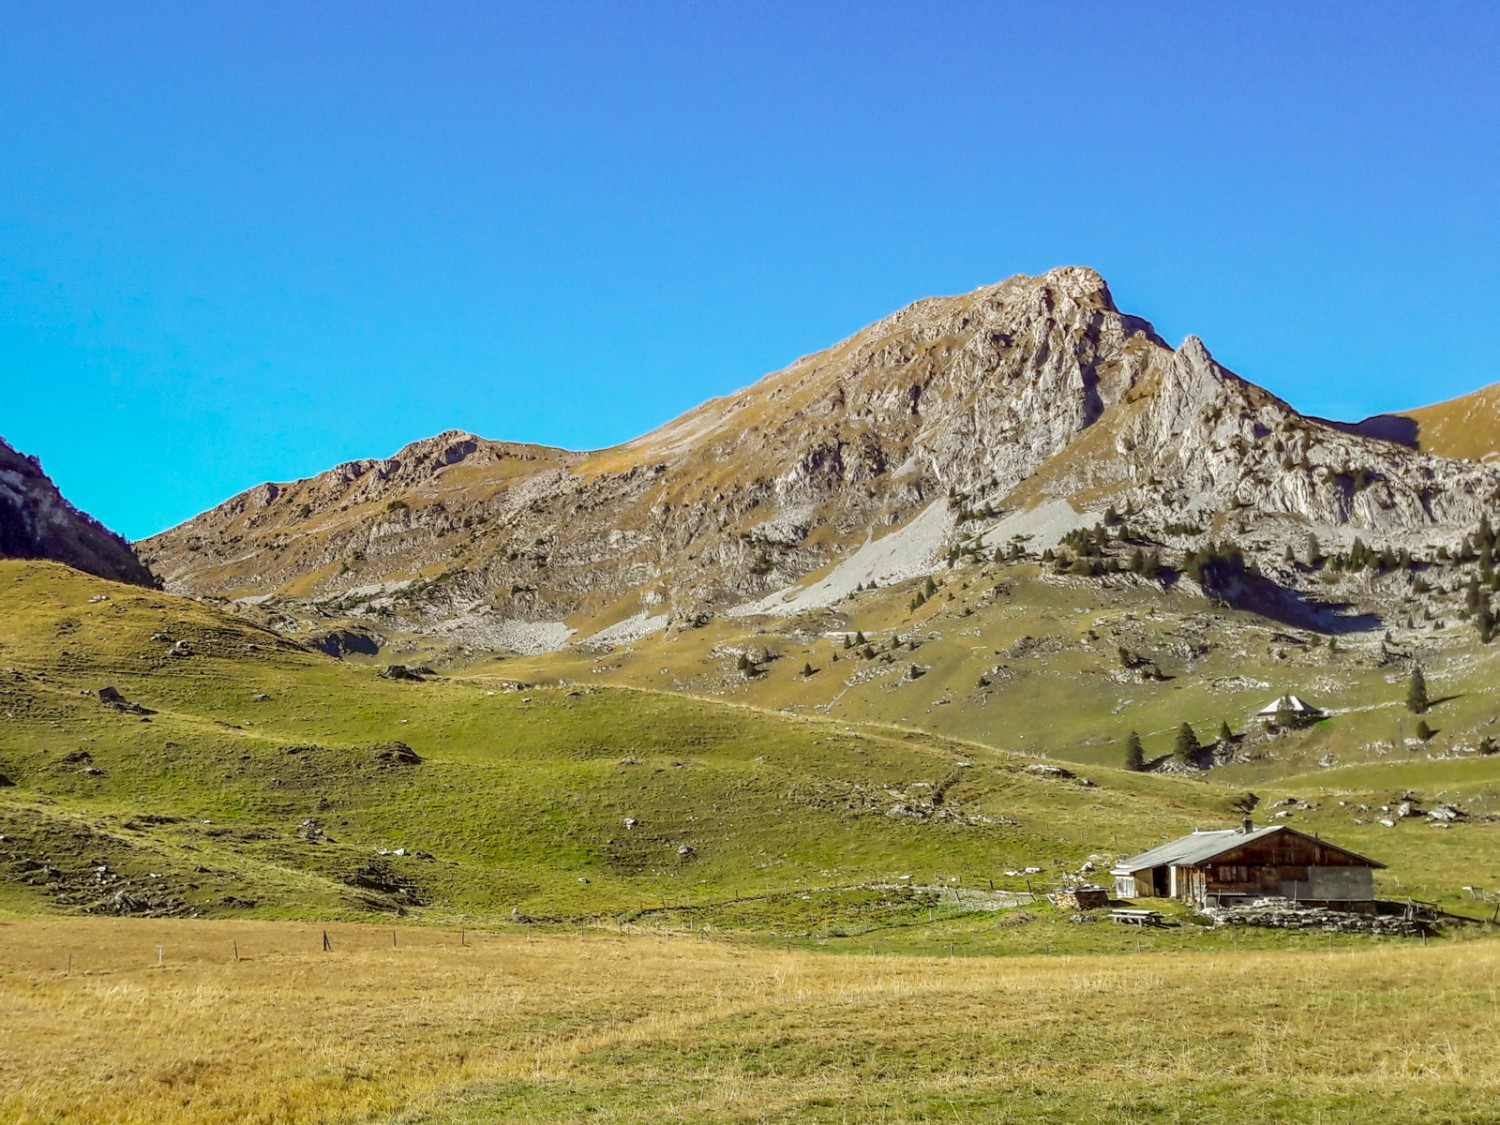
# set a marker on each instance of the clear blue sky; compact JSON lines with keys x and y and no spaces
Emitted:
{"x":242,"y":242}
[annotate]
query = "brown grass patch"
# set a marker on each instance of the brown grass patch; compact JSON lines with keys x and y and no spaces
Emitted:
{"x":633,"y":1028}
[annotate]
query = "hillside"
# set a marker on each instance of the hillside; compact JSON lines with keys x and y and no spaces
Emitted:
{"x":37,"y":523}
{"x":1009,"y":416}
{"x":238,"y":773}
{"x":1467,"y":427}
{"x":245,"y":774}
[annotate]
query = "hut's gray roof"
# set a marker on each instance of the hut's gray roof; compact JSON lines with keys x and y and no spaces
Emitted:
{"x":1200,"y":847}
{"x":1194,"y":849}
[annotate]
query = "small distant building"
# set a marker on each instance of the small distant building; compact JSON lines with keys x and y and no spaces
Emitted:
{"x":1289,"y":710}
{"x":1231,"y":865}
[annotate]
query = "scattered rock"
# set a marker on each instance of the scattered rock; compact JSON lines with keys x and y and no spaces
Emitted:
{"x":1042,"y":769}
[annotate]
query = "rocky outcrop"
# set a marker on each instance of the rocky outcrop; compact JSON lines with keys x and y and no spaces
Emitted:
{"x":37,"y":523}
{"x":1037,"y":391}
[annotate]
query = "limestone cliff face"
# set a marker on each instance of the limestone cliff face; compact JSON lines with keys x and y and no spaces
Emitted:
{"x":37,"y":523}
{"x":1036,"y":388}
{"x":1219,"y":443}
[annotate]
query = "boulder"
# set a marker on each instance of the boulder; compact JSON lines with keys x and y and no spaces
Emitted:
{"x":401,"y":673}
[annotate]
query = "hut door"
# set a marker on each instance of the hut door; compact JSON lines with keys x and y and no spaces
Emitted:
{"x":1159,"y":885}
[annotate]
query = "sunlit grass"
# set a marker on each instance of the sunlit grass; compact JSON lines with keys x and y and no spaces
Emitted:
{"x":554,"y":1027}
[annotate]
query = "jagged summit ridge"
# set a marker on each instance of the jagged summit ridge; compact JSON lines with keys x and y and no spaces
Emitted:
{"x":1034,"y":391}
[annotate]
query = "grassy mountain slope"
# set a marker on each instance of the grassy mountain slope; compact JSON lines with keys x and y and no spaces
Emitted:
{"x":1467,"y":426}
{"x":263,"y":782}
{"x":260,"y":777}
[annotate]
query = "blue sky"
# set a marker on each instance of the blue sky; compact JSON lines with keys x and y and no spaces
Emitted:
{"x":246,"y":242}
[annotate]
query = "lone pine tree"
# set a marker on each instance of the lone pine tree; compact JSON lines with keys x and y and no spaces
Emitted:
{"x":1187,"y":745}
{"x":1416,"y":692}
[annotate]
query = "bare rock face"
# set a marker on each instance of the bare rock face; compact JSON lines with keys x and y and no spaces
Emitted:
{"x":1034,"y":391}
{"x":37,"y":523}
{"x":1220,"y":443}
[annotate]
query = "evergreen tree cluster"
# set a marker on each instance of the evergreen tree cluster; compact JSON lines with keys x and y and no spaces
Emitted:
{"x":1214,"y":564}
{"x":1086,"y":552}
{"x":1361,"y":556}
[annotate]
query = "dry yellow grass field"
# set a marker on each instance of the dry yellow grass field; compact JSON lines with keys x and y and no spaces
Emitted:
{"x":614,"y":1027}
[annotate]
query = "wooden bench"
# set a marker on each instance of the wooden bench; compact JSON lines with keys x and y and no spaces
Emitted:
{"x":1136,"y":917}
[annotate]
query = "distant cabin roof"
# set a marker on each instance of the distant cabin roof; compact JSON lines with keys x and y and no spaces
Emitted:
{"x":1287,"y":703}
{"x":1200,"y":847}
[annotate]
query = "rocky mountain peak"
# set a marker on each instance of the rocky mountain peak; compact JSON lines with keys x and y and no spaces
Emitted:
{"x":37,"y":523}
{"x":1033,"y":393}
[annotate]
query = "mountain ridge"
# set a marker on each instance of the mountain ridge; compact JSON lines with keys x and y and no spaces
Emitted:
{"x":1030,"y":393}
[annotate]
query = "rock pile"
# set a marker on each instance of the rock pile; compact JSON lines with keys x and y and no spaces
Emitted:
{"x":1283,"y":914}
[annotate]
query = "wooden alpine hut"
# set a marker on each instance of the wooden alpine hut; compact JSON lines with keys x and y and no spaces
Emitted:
{"x":1230,"y":865}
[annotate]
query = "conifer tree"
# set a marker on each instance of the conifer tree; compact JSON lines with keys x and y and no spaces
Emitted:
{"x":1416,"y":692}
{"x":1135,"y":753}
{"x":1187,"y":745}
{"x":1226,"y":736}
